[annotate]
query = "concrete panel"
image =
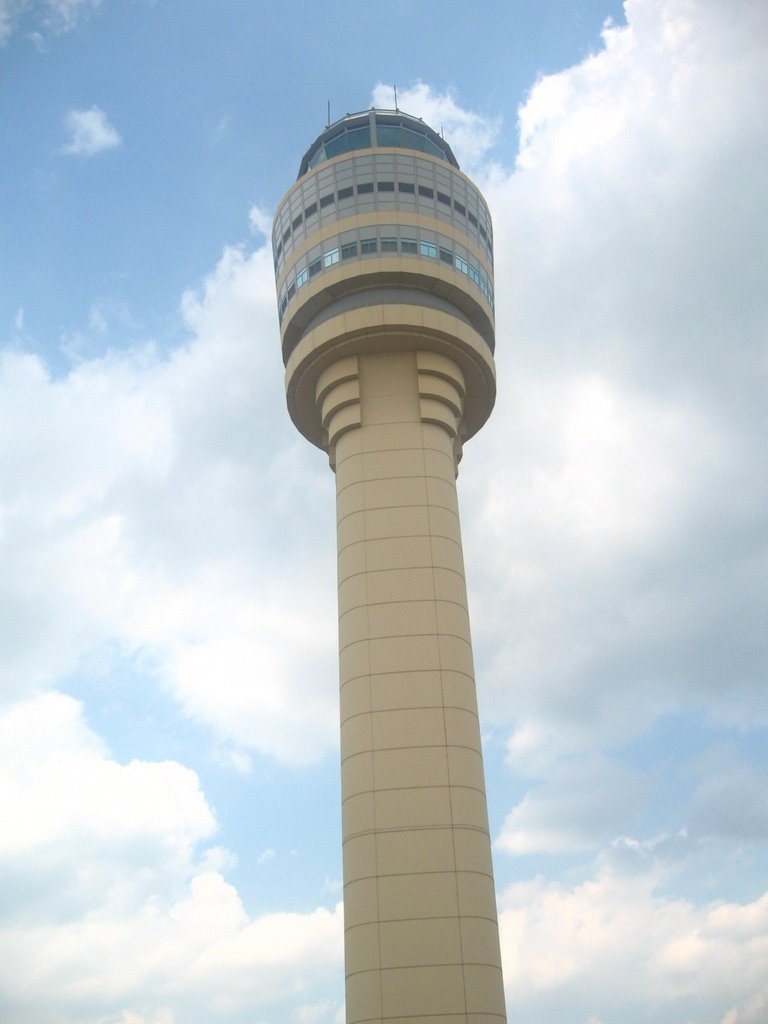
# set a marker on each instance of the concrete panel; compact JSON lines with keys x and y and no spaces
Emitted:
{"x":472,"y":850}
{"x":356,"y":735}
{"x":427,"y":990}
{"x":484,"y":989}
{"x":357,"y":773}
{"x":355,"y":697}
{"x":413,"y":807}
{"x":444,"y":522}
{"x":401,"y":618}
{"x":405,"y":766}
{"x":358,"y":814}
{"x":415,"y":851}
{"x":414,"y":727}
{"x":416,"y":584}
{"x":408,"y":653}
{"x":361,"y":902}
{"x":452,"y":618}
{"x":354,"y":661}
{"x":359,"y":856}
{"x":363,"y":991}
{"x":431,"y":942}
{"x":385,"y":523}
{"x":396,"y":691}
{"x":386,"y":465}
{"x":362,"y":942}
{"x":398,"y":553}
{"x":476,"y":895}
{"x":409,"y":897}
{"x":462,"y":728}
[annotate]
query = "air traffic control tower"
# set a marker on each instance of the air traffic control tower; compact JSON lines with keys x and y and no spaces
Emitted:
{"x":383,"y":253}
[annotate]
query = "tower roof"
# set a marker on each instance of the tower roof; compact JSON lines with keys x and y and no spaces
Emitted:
{"x":375,"y":128}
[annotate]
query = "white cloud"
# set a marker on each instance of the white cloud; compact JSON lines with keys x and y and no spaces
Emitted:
{"x":750,"y":1011}
{"x":89,"y":133}
{"x":81,"y":829}
{"x":730,"y":802}
{"x":10,"y":12}
{"x":579,"y":807}
{"x":612,"y":944}
{"x":106,"y":901}
{"x":201,"y":954}
{"x":260,"y":222}
{"x":614,"y":503}
{"x":145,"y":507}
{"x":51,"y":15}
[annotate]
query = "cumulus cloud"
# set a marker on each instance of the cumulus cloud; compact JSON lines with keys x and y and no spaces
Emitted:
{"x":730,"y":803}
{"x":200,"y":953}
{"x":59,"y":780}
{"x":260,"y":221}
{"x":622,"y":480}
{"x":107,"y":900}
{"x":84,"y":834}
{"x":89,"y":133}
{"x":614,"y":944}
{"x":147,"y":509}
{"x":580,"y":806}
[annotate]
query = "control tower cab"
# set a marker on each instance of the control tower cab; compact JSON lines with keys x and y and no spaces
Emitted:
{"x":383,"y":245}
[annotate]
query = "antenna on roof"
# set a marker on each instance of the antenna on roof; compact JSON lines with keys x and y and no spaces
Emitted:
{"x":329,"y":114}
{"x":395,"y":88}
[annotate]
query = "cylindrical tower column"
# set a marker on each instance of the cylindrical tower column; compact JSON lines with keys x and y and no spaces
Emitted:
{"x":420,"y":915}
{"x":389,"y":368}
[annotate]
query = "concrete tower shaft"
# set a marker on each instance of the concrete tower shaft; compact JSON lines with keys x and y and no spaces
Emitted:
{"x":383,"y":255}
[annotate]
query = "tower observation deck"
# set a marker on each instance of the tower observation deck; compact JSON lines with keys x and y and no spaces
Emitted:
{"x":383,"y":255}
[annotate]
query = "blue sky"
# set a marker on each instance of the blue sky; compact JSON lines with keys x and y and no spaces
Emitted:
{"x":168,"y":715}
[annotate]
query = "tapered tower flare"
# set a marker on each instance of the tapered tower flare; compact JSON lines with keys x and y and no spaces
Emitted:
{"x":384,"y":260}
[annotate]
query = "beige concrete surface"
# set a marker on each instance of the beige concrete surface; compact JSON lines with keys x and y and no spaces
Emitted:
{"x":420,"y":918}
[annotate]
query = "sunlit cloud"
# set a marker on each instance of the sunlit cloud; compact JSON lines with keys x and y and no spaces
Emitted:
{"x":89,"y":133}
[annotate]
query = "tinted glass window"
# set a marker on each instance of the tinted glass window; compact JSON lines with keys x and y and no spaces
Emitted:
{"x":336,"y":146}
